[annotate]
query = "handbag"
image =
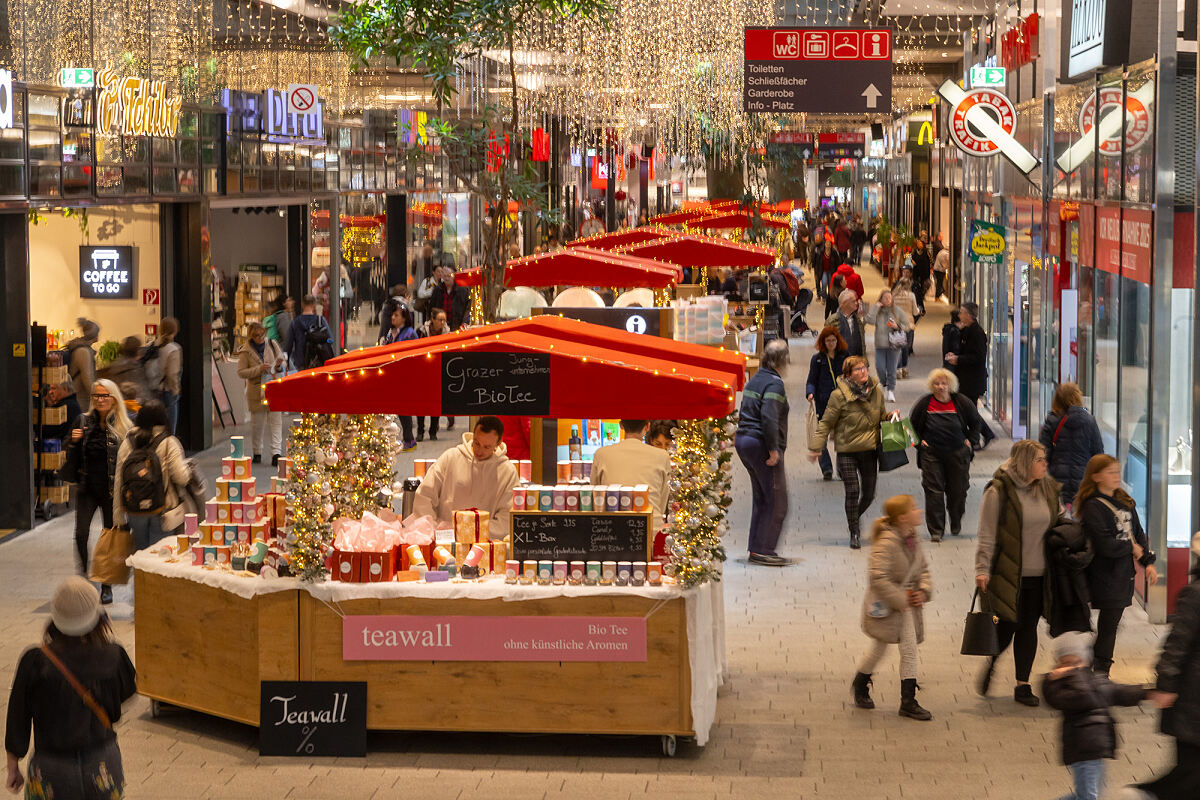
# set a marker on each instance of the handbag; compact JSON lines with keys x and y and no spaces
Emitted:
{"x":891,"y":459}
{"x":979,"y":632}
{"x":811,"y":423}
{"x":113,"y":548}
{"x":894,"y":436}
{"x":897,"y":339}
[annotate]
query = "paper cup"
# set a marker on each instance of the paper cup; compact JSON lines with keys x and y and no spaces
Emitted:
{"x":182,"y":545}
{"x":639,"y":573}
{"x":545,"y":573}
{"x":237,"y":446}
{"x":198,"y":556}
{"x":511,"y":570}
{"x":529,"y":572}
{"x":191,"y":524}
{"x":575,"y":576}
{"x":560,"y":572}
{"x":654,"y":573}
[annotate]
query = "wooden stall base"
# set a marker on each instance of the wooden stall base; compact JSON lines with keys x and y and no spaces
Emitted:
{"x":651,"y":697}
{"x":202,"y":648}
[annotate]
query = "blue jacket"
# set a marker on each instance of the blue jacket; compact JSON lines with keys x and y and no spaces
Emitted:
{"x":1076,"y":443}
{"x":822,"y":378}
{"x":764,"y":411}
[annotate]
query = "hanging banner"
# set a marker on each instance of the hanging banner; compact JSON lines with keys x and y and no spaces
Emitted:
{"x":987,"y":243}
{"x":135,"y":106}
{"x":599,"y":174}
{"x":540,"y":143}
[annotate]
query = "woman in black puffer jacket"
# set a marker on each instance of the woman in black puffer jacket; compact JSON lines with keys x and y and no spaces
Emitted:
{"x":1071,"y":437}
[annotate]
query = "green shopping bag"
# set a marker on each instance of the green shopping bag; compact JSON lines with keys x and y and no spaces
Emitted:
{"x":896,"y":435}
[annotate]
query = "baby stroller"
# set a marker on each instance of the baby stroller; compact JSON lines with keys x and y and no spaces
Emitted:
{"x":803,"y":298}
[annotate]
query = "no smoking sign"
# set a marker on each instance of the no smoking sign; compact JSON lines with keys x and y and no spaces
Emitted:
{"x":302,"y":98}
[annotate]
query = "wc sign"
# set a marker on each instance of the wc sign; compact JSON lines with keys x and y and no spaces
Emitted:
{"x":787,"y":44}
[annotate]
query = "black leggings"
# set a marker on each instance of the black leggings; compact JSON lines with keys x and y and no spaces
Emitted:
{"x":1106,"y":638}
{"x":1023,"y":634}
{"x":85,"y":508}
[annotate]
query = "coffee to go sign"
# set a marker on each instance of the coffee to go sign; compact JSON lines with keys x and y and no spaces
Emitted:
{"x":135,"y":106}
{"x":106,"y":273}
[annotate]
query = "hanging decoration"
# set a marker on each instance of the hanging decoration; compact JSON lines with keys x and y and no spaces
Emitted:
{"x":701,"y":476}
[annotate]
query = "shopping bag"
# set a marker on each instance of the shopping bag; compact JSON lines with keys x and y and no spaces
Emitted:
{"x":108,"y":559}
{"x":893,"y":435}
{"x":811,"y":422}
{"x":891,"y":459}
{"x":979,"y":633}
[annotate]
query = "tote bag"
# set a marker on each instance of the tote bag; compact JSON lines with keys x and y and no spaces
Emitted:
{"x":113,"y":547}
{"x":811,"y":422}
{"x":979,"y":632}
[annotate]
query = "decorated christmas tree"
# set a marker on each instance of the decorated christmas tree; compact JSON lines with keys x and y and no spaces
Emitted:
{"x":363,"y":466}
{"x":701,"y":473}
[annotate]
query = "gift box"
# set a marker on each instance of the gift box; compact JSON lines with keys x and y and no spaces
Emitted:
{"x":409,"y":575}
{"x":406,"y":562}
{"x":499,"y":555}
{"x":346,"y":566}
{"x":471,"y":526}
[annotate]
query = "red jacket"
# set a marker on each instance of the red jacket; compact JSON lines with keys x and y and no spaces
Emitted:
{"x":516,"y":437}
{"x":852,"y":280}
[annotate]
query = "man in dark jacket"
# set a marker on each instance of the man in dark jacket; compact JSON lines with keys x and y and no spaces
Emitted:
{"x":761,"y":441}
{"x":825,"y":261}
{"x":1178,"y":694}
{"x":922,"y":265}
{"x":306,"y":354}
{"x":451,"y":298}
{"x":970,"y":362}
{"x":951,"y":339}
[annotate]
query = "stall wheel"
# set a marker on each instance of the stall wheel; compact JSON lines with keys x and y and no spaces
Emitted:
{"x":668,"y":745}
{"x":48,"y":510}
{"x":156,"y":709}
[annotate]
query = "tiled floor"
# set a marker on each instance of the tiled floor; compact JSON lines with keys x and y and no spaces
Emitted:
{"x":785,"y":727}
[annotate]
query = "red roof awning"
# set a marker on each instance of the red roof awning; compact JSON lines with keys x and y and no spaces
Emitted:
{"x":736,"y":219}
{"x":703,"y":251}
{"x":594,"y":371}
{"x":615,"y":239}
{"x":581,"y":266}
{"x":679,"y":217}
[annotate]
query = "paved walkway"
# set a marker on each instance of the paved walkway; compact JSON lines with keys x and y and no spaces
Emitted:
{"x":785,"y":727}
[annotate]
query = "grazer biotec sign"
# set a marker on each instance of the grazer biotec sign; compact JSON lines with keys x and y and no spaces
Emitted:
{"x":1097,"y":34}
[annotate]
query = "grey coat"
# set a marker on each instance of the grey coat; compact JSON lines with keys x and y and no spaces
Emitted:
{"x":878,"y":316}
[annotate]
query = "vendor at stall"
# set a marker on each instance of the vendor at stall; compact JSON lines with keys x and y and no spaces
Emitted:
{"x":631,"y":462}
{"x":475,"y":474}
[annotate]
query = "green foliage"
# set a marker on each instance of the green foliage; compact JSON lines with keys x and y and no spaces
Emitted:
{"x":108,"y":352}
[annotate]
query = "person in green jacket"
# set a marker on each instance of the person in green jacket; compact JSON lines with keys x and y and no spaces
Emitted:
{"x":852,"y":418}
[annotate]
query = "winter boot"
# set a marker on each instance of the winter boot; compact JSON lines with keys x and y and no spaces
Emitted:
{"x":909,"y":707}
{"x":862,"y":691}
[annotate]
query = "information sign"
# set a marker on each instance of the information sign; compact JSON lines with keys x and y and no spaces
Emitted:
{"x":817,"y":70}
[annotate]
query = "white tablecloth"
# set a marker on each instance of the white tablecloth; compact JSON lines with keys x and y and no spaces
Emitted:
{"x":704,"y":606}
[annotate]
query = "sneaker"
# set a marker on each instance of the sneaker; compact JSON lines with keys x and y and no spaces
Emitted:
{"x":408,"y":447}
{"x":1024,"y":695}
{"x":769,"y":560}
{"x":891,"y":396}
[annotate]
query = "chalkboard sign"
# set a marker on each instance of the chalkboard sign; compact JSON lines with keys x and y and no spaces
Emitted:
{"x":475,"y":384}
{"x":621,"y":536}
{"x":312,"y":718}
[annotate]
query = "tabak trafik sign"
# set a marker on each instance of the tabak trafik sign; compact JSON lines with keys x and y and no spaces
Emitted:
{"x":983,"y":123}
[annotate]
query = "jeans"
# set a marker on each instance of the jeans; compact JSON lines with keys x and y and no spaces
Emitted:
{"x":260,"y":423}
{"x":859,"y":472}
{"x":887,"y":361}
{"x":907,"y":351}
{"x":939,"y":280}
{"x":1106,"y":638}
{"x":170,"y":402}
{"x":86,"y":505}
{"x":768,"y":492}
{"x":944,"y":477}
{"x":1023,"y":634}
{"x":1089,"y":780}
{"x":146,"y":529}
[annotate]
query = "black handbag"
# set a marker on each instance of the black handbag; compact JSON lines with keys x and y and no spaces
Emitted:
{"x":891,"y":459}
{"x":979,"y":633}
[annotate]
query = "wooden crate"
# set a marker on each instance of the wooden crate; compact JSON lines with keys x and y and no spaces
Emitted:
{"x":51,"y":461}
{"x":650,"y":698}
{"x":203,"y":648}
{"x":50,"y":416}
{"x":55,"y":494}
{"x":51,"y":375}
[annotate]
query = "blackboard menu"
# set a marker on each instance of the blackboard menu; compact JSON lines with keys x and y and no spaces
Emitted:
{"x":312,"y":718}
{"x":515,"y":384}
{"x":580,"y":537}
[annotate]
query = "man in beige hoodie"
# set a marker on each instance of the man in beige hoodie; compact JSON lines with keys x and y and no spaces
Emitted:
{"x":474,"y":474}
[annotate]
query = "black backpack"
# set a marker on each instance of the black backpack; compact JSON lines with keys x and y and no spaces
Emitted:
{"x":317,"y":347}
{"x":143,"y":486}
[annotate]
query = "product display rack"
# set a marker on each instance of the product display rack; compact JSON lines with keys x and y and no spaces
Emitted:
{"x":257,"y":285}
{"x":50,"y":490}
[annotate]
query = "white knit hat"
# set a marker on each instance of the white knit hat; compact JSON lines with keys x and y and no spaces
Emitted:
{"x":75,"y":609}
{"x":1073,"y":643}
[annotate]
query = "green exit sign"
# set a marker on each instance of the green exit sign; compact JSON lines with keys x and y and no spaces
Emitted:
{"x":990,"y":77}
{"x":73,"y":78}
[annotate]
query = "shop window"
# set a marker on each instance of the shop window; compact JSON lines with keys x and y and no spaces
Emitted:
{"x":43,"y":111}
{"x":164,"y":180}
{"x":1134,"y":386}
{"x":1105,"y":326}
{"x":187,"y":181}
{"x":12,"y":180}
{"x":1139,"y":136}
{"x":137,"y":149}
{"x":44,"y":146}
{"x":76,"y":180}
{"x":12,"y":143}
{"x":45,"y":181}
{"x":164,"y":150}
{"x":1069,"y":102}
{"x":110,"y":180}
{"x":137,"y":180}
{"x":188,"y":124}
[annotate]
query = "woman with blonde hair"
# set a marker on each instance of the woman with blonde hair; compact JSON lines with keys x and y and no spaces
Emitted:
{"x":1020,"y":506}
{"x":91,"y":462}
{"x":898,"y":586}
{"x":1110,"y":520}
{"x":946,"y":423}
{"x":1071,"y":437}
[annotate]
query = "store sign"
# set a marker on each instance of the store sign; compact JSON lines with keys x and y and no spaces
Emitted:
{"x":1019,"y":44}
{"x":6,"y":98}
{"x":1136,"y":120}
{"x":832,"y":70}
{"x":1125,"y":242}
{"x":106,"y":273}
{"x":496,"y":383}
{"x":508,"y":638}
{"x":1098,"y":35}
{"x":982,"y":123}
{"x":841,"y":145}
{"x":283,"y":126}
{"x":987,"y":243}
{"x":243,"y":111}
{"x":310,"y":719}
{"x":76,"y":78}
{"x":135,"y":106}
{"x":988,"y":77}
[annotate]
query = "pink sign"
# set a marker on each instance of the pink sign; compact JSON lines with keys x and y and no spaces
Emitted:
{"x":419,"y":638}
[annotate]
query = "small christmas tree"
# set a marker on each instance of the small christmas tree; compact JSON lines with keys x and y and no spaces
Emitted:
{"x":308,"y":495}
{"x":701,"y":474}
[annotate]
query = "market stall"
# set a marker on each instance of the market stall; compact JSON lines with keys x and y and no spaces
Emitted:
{"x":522,"y":641}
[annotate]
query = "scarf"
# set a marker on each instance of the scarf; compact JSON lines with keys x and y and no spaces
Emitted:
{"x":859,"y":392}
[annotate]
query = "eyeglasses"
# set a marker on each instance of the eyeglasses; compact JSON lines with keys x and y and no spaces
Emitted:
{"x":1040,"y":460}
{"x":102,"y":397}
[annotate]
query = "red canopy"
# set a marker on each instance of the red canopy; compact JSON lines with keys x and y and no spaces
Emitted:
{"x":679,"y":217}
{"x":702,"y":251}
{"x":615,"y":239}
{"x":581,"y":266}
{"x":736,"y":219}
{"x":593,"y":371}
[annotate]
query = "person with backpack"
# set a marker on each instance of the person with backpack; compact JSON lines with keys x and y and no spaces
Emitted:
{"x":312,"y":341}
{"x":260,"y":361}
{"x":81,"y":358}
{"x":69,"y":692}
{"x":91,"y":464}
{"x":150,"y":470}
{"x":1071,"y":438}
{"x":163,"y":360}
